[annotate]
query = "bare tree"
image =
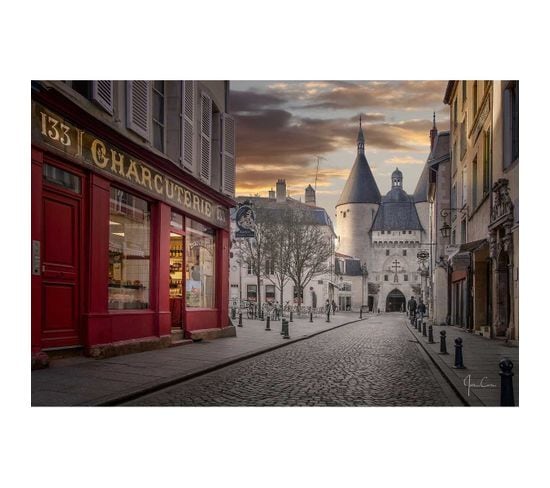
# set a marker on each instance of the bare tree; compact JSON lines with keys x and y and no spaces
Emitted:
{"x":277,"y":251}
{"x":309,"y":249}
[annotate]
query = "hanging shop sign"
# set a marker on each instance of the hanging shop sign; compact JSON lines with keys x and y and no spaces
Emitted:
{"x":100,"y":156}
{"x":246,"y":222}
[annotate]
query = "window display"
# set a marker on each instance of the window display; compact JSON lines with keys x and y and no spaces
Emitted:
{"x":129,"y":251}
{"x":200,"y":245}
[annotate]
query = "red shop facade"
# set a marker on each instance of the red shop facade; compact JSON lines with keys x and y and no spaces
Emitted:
{"x":128,"y":251}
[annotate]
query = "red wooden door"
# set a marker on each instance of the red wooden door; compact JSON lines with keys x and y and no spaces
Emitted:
{"x":60,"y":270}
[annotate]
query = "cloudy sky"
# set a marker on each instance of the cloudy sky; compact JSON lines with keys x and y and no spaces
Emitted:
{"x":284,"y":126}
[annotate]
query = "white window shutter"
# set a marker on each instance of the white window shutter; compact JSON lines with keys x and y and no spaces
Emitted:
{"x":139,"y":112}
{"x":228,"y":154}
{"x":187,"y":123}
{"x":206,"y":137}
{"x":102,"y":94}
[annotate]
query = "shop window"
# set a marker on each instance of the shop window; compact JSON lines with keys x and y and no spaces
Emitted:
{"x":251,"y":293}
{"x":270,"y":293}
{"x":200,"y":245}
{"x":129,"y":251}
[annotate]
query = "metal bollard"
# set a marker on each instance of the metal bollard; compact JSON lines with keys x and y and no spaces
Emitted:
{"x":291,"y":316}
{"x":443,"y":343}
{"x":285,"y":329}
{"x":459,"y":363}
{"x":233,"y":313}
{"x":268,"y":323}
{"x":240,"y":324}
{"x":311,"y":316}
{"x":424,"y":328}
{"x":431,"y":335}
{"x":506,"y":385}
{"x":262,"y":315}
{"x":419,"y":327}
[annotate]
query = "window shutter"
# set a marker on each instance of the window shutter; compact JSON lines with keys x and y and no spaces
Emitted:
{"x":102,"y":94}
{"x":139,"y":112}
{"x":206,"y":137}
{"x":228,"y":154}
{"x":187,"y":121}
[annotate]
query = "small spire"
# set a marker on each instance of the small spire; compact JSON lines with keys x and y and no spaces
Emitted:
{"x":359,"y":120}
{"x":360,"y":138}
{"x":434,"y":121}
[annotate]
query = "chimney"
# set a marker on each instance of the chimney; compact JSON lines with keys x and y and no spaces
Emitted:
{"x":281,"y":191}
{"x":271,"y":194}
{"x":310,"y":196}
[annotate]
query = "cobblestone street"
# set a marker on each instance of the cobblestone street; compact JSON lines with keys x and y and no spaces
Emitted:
{"x":376,"y":362}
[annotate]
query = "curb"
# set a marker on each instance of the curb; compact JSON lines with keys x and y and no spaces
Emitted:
{"x":119,"y":399}
{"x":442,"y":366}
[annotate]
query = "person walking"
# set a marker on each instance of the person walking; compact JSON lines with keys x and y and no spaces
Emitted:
{"x":411,"y":307}
{"x":421,"y":308}
{"x":333,"y":307}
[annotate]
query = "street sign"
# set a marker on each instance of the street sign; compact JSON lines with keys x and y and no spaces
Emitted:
{"x":246,"y":222}
{"x":423,"y":255}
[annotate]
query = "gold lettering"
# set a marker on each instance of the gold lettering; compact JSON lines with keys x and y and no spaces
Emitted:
{"x":180,"y":192}
{"x":188,"y":198}
{"x":132,"y":171}
{"x":208,"y":209}
{"x":169,"y":189}
{"x":98,"y":154}
{"x":158,"y":184}
{"x":146,"y":177}
{"x":65,"y":139}
{"x":196,"y":203}
{"x":117,"y":162}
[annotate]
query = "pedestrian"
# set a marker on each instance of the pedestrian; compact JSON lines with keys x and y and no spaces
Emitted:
{"x":327,"y":306}
{"x":333,"y":307}
{"x":411,"y":307}
{"x":421,"y":308}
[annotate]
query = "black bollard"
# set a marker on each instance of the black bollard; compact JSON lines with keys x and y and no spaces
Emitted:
{"x":285,"y":329}
{"x":431,"y":335}
{"x":506,"y":385}
{"x":311,"y":316}
{"x":419,"y":328}
{"x":291,"y":316}
{"x":459,"y":363}
{"x":443,"y":343}
{"x":268,"y":323}
{"x":233,"y":313}
{"x":240,"y":324}
{"x":262,"y":315}
{"x":424,"y":328}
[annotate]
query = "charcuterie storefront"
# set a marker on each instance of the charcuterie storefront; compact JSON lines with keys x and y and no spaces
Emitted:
{"x":128,"y":253}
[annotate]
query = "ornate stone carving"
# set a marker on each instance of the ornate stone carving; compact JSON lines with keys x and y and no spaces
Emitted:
{"x":493,"y":244}
{"x":502,"y":203}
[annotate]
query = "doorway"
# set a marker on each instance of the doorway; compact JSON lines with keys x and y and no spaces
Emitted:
{"x":177,"y":265}
{"x":395,"y":302}
{"x":61,"y":258}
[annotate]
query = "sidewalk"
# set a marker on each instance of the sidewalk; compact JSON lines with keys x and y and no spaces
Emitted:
{"x":481,"y":357}
{"x":84,"y":381}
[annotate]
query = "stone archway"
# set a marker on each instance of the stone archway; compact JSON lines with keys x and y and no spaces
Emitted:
{"x":395,"y":301}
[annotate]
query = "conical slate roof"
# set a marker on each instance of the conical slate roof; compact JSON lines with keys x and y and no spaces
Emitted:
{"x":361,"y":186}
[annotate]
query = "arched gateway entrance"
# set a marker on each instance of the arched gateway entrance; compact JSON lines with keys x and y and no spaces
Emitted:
{"x":395,"y":302}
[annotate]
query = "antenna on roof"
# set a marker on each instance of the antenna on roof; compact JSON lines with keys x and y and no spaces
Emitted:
{"x":317,"y":171}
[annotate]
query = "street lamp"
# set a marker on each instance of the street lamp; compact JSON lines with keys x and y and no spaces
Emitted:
{"x":364,"y":274}
{"x":446,"y":228}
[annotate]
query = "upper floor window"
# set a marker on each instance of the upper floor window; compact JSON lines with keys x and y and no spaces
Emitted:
{"x":159,"y":121}
{"x":487,"y":162}
{"x":455,"y":113}
{"x":474,"y":97}
{"x":463,"y":141}
{"x":474,"y":183}
{"x":511,"y":123}
{"x":404,"y":252}
{"x":387,"y":252}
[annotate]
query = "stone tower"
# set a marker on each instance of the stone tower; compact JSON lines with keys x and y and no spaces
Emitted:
{"x":357,"y":206}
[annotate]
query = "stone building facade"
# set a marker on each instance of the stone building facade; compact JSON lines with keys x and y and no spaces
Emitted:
{"x":380,"y":238}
